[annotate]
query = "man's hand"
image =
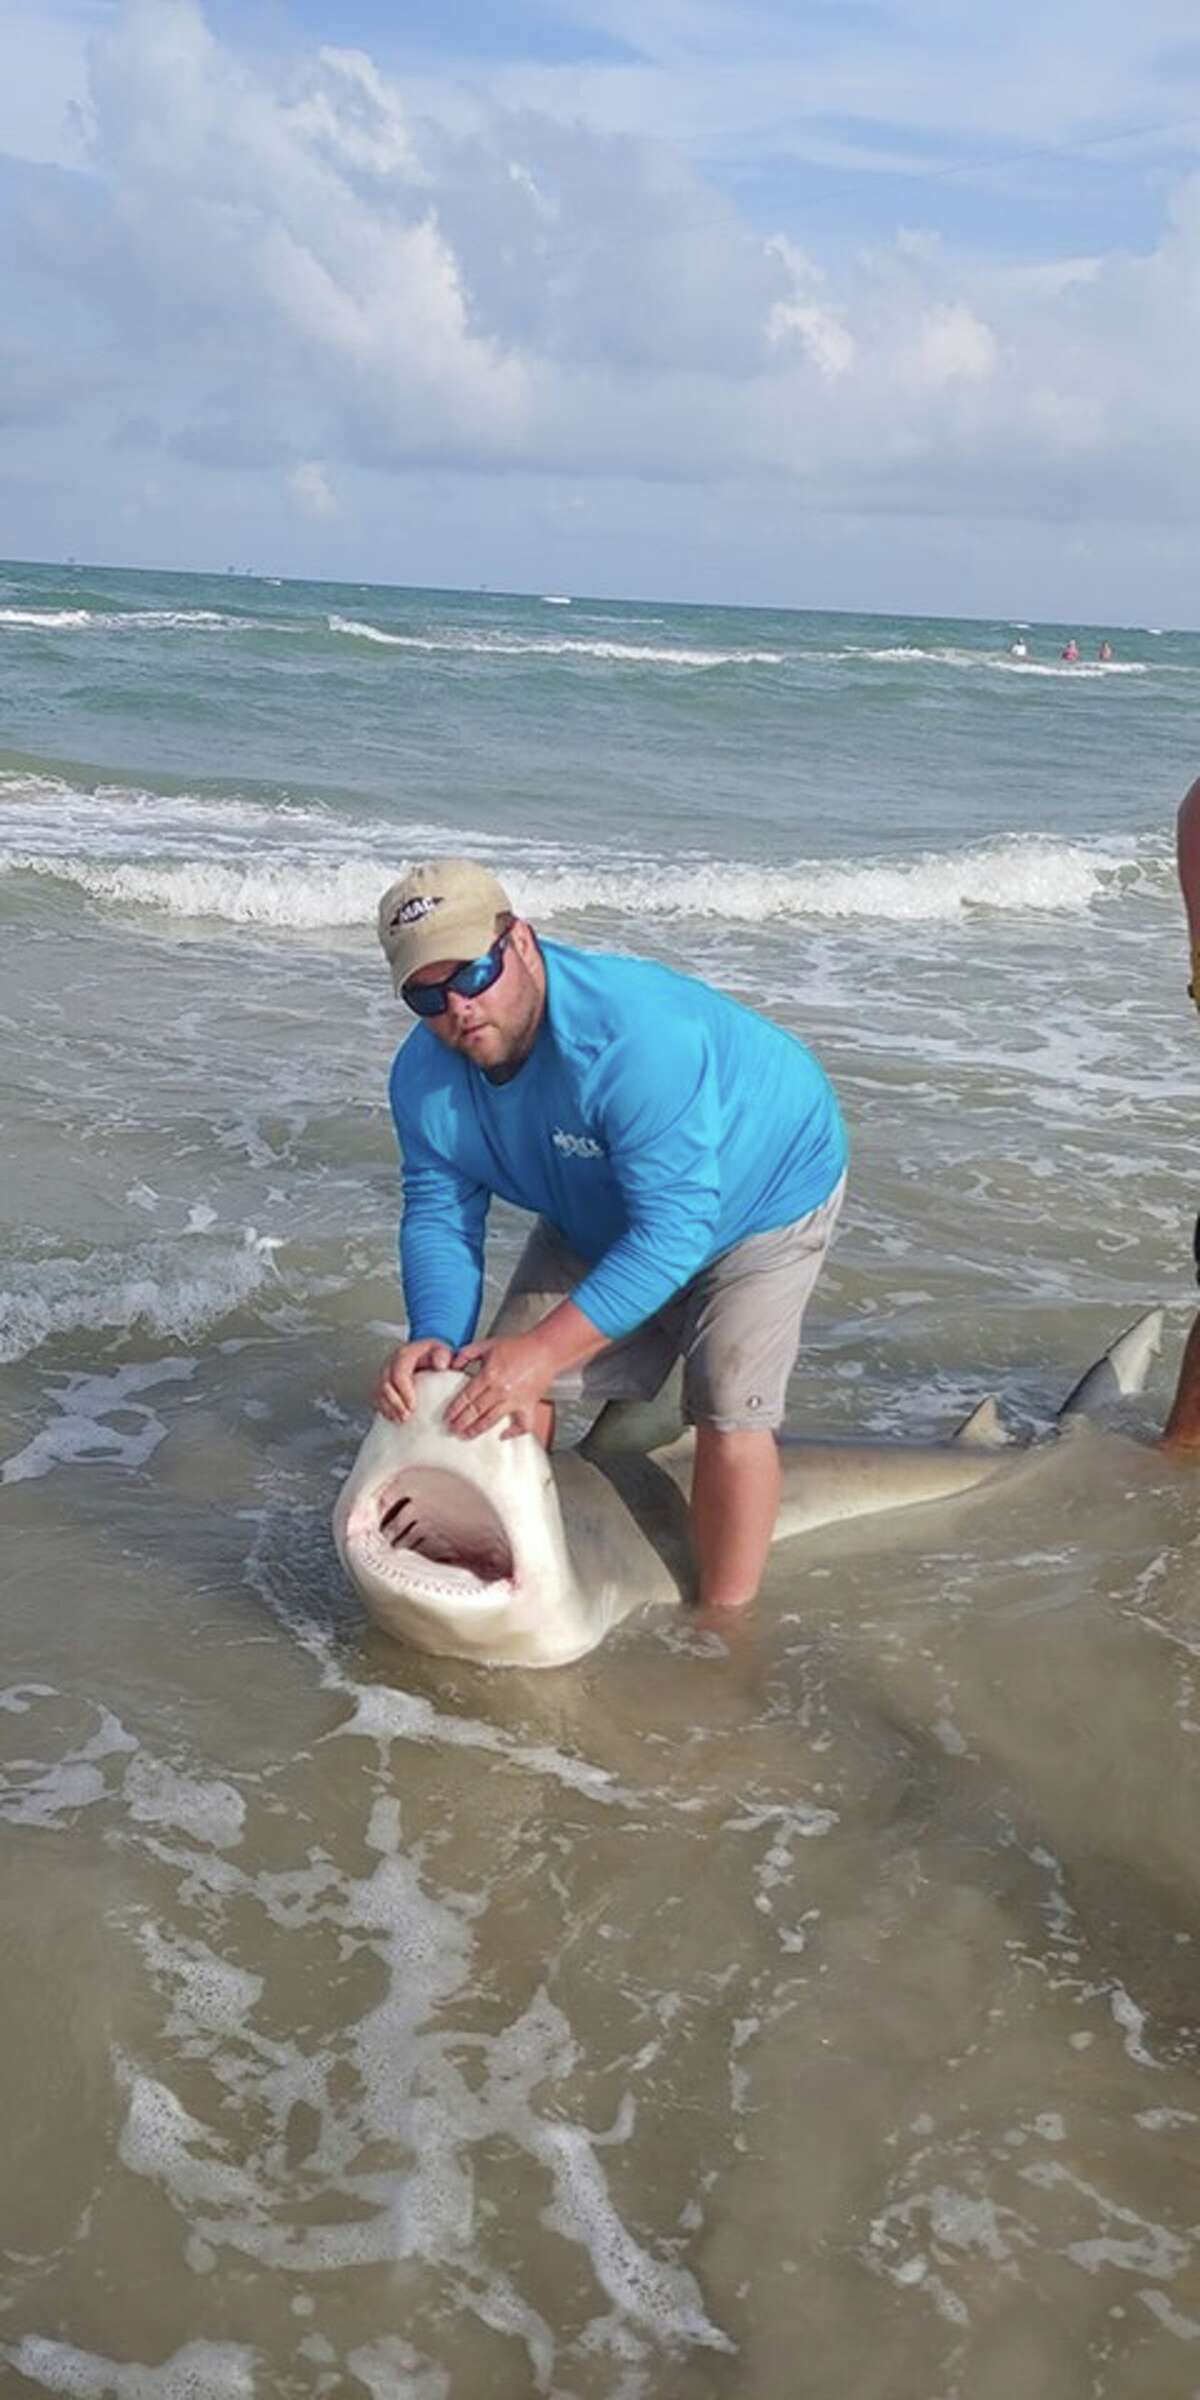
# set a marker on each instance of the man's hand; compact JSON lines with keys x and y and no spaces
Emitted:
{"x":512,"y":1377}
{"x":395,"y":1393}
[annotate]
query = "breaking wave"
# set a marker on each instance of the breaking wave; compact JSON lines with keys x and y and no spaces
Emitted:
{"x":178,"y":1289}
{"x":1084,"y":670}
{"x":498,"y":645}
{"x":1018,"y":875}
{"x":146,"y":620}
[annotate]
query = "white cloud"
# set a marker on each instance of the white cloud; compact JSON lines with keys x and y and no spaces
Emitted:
{"x":312,"y":492}
{"x":953,"y":346}
{"x":298,"y":274}
{"x":357,"y":117}
{"x":819,"y":333}
{"x":291,"y":213}
{"x":804,"y":317}
{"x":43,"y":81}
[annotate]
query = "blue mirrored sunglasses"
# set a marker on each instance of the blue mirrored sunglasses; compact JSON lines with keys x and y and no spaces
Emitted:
{"x":476,"y":975}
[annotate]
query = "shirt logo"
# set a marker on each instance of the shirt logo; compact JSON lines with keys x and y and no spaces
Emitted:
{"x":413,"y":910}
{"x":576,"y":1145}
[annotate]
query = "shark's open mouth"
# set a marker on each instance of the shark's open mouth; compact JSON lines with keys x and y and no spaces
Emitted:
{"x":440,"y":1520}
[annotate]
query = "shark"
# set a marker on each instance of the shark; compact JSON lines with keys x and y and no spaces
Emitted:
{"x":495,"y":1551}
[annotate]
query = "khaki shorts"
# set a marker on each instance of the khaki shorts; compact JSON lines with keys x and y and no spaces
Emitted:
{"x":736,"y":1325}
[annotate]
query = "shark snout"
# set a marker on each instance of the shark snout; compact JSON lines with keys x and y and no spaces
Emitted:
{"x":458,"y":1546}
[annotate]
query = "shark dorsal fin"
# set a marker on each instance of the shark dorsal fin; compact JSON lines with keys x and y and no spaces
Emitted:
{"x":644,"y":1425}
{"x":1122,"y":1370}
{"x":983,"y":1429}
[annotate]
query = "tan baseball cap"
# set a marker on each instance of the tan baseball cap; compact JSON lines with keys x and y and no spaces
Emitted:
{"x":444,"y":908}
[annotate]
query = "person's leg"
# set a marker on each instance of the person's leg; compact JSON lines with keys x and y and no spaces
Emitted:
{"x":1181,"y":1433}
{"x":743,"y":1319}
{"x":735,"y":1501}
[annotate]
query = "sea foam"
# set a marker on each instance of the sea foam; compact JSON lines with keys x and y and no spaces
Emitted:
{"x":122,"y":620}
{"x":1081,"y":670}
{"x":498,"y":645}
{"x":176,"y":1289}
{"x":200,"y":2371}
{"x":96,"y":1420}
{"x":1017,"y":875}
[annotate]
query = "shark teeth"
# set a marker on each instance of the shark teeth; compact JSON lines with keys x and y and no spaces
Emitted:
{"x":409,"y":1571}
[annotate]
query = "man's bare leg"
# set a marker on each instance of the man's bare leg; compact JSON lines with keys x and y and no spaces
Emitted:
{"x":1181,"y":1433}
{"x":735,"y":1501}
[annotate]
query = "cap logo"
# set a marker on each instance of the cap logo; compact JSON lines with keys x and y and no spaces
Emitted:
{"x":412,"y":911}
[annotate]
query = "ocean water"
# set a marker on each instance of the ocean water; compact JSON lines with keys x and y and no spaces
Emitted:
{"x":813,"y":2011}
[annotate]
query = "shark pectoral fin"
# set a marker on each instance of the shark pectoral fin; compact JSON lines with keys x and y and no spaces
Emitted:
{"x":984,"y":1429}
{"x":642,"y":1425}
{"x":680,"y":1452}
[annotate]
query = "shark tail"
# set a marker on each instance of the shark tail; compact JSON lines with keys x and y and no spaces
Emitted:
{"x":1122,"y":1370}
{"x":650,"y":1425}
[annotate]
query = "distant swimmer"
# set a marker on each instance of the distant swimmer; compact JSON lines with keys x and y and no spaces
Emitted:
{"x":1182,"y":1430}
{"x":1070,"y":652}
{"x":1104,"y":653}
{"x":1018,"y":649}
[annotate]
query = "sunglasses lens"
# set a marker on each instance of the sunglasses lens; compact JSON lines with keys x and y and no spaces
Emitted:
{"x":476,"y":976}
{"x":425,"y":999}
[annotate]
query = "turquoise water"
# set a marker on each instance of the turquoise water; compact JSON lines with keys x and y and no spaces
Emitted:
{"x":367,"y":1999}
{"x":526,"y":715}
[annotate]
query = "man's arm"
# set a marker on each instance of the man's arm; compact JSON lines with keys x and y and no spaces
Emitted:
{"x":1188,"y":839}
{"x":444,"y":1206}
{"x":441,"y":1258}
{"x":1188,"y":835}
{"x":661,"y":1121}
{"x":441,"y":1247}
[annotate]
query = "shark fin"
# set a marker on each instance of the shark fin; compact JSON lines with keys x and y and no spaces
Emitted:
{"x":1122,"y":1370}
{"x":984,"y":1429}
{"x":645,"y":1425}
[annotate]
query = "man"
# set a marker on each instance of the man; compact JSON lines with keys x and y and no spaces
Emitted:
{"x":1188,"y":842}
{"x":1182,"y":1430}
{"x":685,"y":1159}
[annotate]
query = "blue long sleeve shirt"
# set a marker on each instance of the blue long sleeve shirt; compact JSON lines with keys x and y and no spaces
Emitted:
{"x":655,"y":1123}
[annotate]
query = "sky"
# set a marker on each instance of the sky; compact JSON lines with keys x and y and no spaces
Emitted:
{"x":879,"y":304}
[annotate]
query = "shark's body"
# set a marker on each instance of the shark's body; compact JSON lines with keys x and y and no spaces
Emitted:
{"x":489,"y":1550}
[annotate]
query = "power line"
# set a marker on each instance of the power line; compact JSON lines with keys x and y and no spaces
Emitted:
{"x":1015,"y":158}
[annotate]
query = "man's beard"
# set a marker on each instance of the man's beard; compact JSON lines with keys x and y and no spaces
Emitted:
{"x":506,"y":1068}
